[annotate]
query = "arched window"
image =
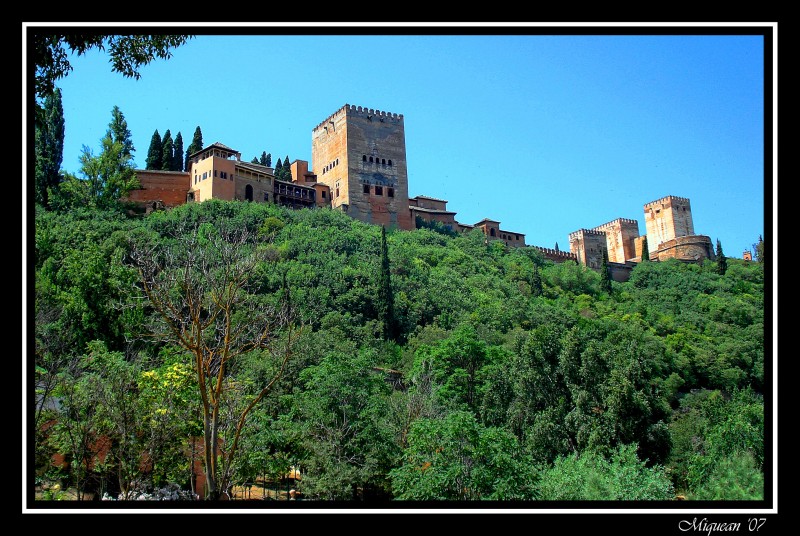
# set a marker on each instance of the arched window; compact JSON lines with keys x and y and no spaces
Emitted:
{"x":248,"y":192}
{"x":383,"y":161}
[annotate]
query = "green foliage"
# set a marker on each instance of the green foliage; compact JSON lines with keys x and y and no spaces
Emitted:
{"x":127,"y":53}
{"x":49,"y":148}
{"x":591,"y":477}
{"x":343,"y":407}
{"x":167,"y":150}
{"x":722,"y":262}
{"x":155,"y":153}
{"x":736,"y":477}
{"x":514,"y":361}
{"x":456,"y":458}
{"x":177,"y":154}
{"x":196,"y":145}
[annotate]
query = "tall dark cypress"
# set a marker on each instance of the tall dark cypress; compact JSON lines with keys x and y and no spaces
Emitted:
{"x":722,"y":261}
{"x":177,"y":153}
{"x":645,"y":250}
{"x":155,"y":152}
{"x":385,"y":295}
{"x":49,"y":148}
{"x":166,"y":151}
{"x":196,"y":145}
{"x":605,"y":276}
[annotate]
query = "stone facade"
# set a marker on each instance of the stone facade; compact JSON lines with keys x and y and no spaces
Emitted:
{"x":160,"y":188}
{"x":588,"y":246}
{"x":360,"y":154}
{"x":620,"y":239}
{"x":695,"y":248}
{"x":667,"y":218}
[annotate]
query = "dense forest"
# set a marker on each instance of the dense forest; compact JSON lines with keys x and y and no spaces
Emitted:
{"x":382,"y":364}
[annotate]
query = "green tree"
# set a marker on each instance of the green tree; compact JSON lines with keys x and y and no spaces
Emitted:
{"x":385,"y":302}
{"x":266,"y":159}
{"x":167,"y":150}
{"x":49,"y":148}
{"x":457,"y":458}
{"x":196,"y":145}
{"x":155,"y":153}
{"x":283,"y":171}
{"x":536,"y":282}
{"x":177,"y":154}
{"x":201,"y":285}
{"x":722,"y":262}
{"x":107,"y":177}
{"x":119,"y":131}
{"x":759,"y":249}
{"x":735,"y":477}
{"x":645,"y":250}
{"x":589,"y":477}
{"x":254,"y":160}
{"x":350,"y":443}
{"x":128,"y":53}
{"x":605,"y":276}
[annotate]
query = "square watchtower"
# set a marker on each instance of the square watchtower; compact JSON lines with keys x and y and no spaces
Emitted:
{"x":666,"y":219}
{"x":360,"y":153}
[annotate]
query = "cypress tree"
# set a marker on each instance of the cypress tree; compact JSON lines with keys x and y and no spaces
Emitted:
{"x":385,"y":300}
{"x":254,"y":160}
{"x":278,"y":168}
{"x":177,"y":153}
{"x":268,"y":161}
{"x":263,"y":160}
{"x":155,"y":152}
{"x":49,"y":148}
{"x":536,"y":282}
{"x":605,"y":277}
{"x":645,"y":250}
{"x":722,"y":262}
{"x":196,"y":145}
{"x":166,"y":151}
{"x":759,"y":249}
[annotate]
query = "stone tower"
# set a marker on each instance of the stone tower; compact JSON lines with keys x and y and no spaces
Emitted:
{"x":670,"y":231}
{"x":666,"y":219}
{"x":621,"y":235}
{"x":360,"y":153}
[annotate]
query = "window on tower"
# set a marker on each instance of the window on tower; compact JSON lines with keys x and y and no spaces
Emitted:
{"x":366,"y":189}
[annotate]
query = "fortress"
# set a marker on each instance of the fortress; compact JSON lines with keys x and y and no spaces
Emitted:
{"x":359,"y":166}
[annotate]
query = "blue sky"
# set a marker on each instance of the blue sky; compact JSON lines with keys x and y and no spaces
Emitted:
{"x":545,"y":133}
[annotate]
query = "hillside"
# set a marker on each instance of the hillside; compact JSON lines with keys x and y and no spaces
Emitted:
{"x":521,"y":378}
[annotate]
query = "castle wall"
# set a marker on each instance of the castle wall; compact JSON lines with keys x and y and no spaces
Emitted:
{"x":556,"y":255}
{"x":686,"y":248}
{"x":168,"y":187}
{"x":667,"y":218}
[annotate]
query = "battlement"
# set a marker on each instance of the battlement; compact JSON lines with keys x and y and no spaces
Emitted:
{"x":615,"y":222}
{"x":579,"y":232}
{"x":667,"y":198}
{"x":369,"y":113}
{"x":550,"y":253}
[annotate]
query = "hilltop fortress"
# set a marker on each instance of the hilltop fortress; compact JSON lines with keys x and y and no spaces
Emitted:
{"x":359,"y":163}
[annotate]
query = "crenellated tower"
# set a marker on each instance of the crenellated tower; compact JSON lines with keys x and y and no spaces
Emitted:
{"x":666,"y":219}
{"x":360,"y":153}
